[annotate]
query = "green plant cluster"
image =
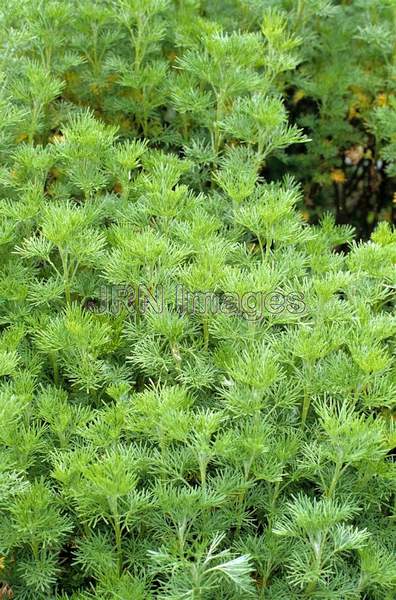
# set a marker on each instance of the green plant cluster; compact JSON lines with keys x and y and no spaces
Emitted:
{"x":346,"y":77}
{"x":162,"y":451}
{"x":173,"y":70}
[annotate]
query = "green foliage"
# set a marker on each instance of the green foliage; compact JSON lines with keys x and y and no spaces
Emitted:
{"x":197,"y":388}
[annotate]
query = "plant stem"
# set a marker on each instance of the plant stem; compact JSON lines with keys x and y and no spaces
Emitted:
{"x":117,"y":533}
{"x":339,"y":469}
{"x":55,"y":368}
{"x":305,"y":409}
{"x":205,"y":324}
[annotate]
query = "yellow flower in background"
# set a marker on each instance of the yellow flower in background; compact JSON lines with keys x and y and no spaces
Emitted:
{"x":338,"y":176}
{"x":360,"y":101}
{"x":362,"y":98}
{"x":21,"y":137}
{"x":1,"y":563}
{"x":382,"y":100}
{"x":353,"y":112}
{"x":297,"y":96}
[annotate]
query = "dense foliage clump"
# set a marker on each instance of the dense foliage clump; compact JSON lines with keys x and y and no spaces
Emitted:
{"x":197,"y":388}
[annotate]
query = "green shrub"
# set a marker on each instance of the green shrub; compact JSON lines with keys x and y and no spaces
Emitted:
{"x":345,"y":77}
{"x":197,"y":388}
{"x":175,"y":71}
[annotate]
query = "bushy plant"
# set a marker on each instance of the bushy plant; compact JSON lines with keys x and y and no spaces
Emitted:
{"x":347,"y":74}
{"x":197,"y":388}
